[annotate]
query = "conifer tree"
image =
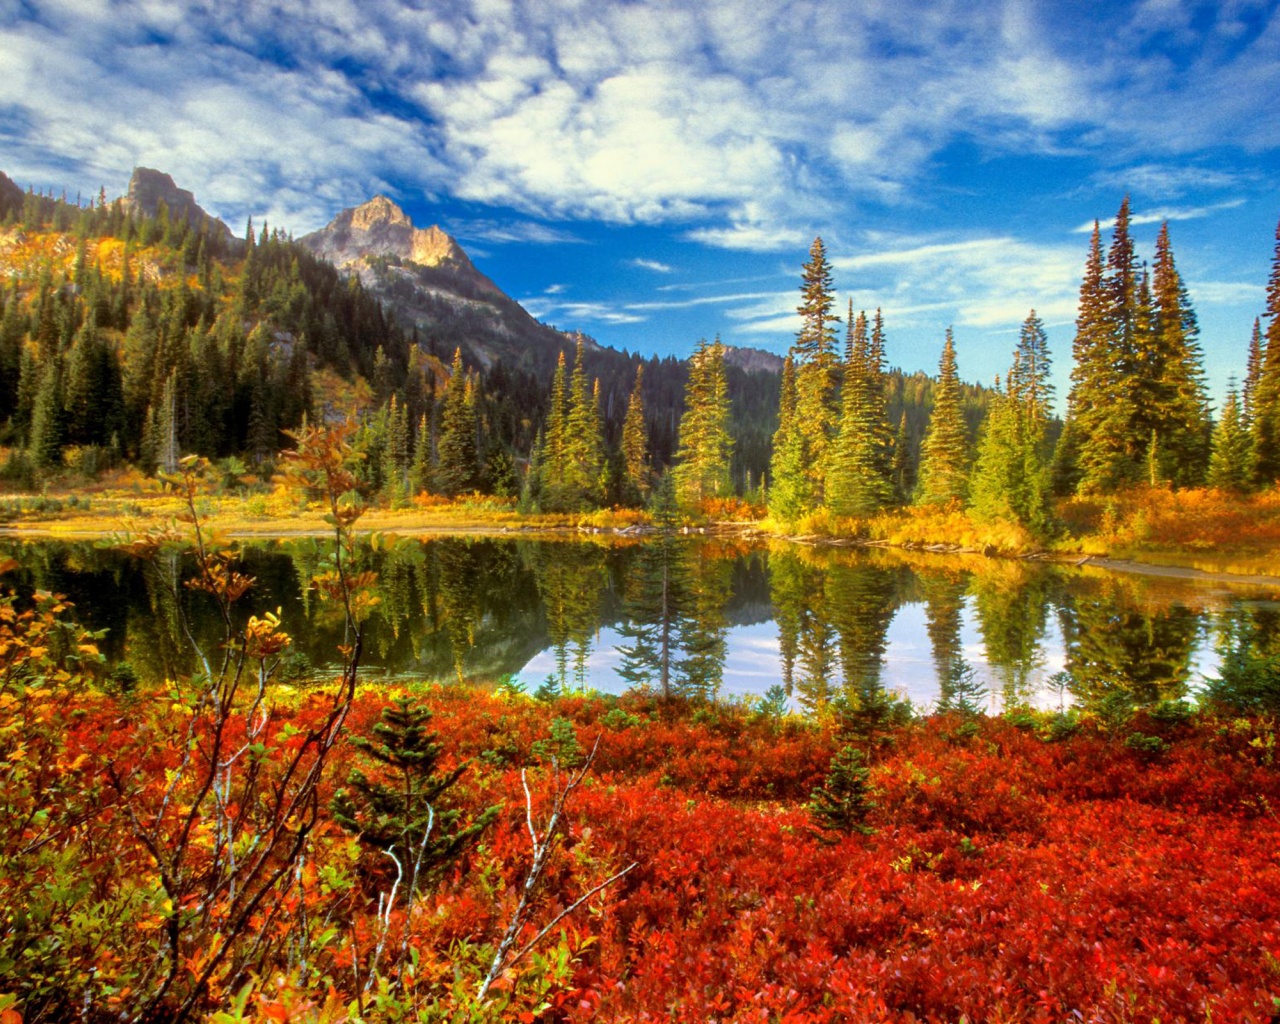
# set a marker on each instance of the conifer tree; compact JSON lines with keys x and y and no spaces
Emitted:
{"x":1100,"y":412}
{"x":47,"y":423}
{"x":551,"y":454}
{"x":1253,"y":374}
{"x":789,"y":494}
{"x":1011,"y":476}
{"x":458,"y":466}
{"x":408,"y":813}
{"x":1230,"y":466}
{"x":420,"y":469}
{"x":706,"y":445}
{"x":1172,"y":405}
{"x":584,"y":443}
{"x":635,"y":445}
{"x":843,"y":801}
{"x":944,"y":457}
{"x":1266,"y":412}
{"x":858,"y":468}
{"x":395,"y":470}
{"x":817,"y":367}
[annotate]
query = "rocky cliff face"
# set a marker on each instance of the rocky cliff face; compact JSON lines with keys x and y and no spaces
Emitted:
{"x":11,"y":196}
{"x":148,"y":188}
{"x":752,"y":360}
{"x":379,"y":229}
{"x":426,"y":279}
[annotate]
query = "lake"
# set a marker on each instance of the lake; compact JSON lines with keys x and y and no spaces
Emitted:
{"x":710,"y":618}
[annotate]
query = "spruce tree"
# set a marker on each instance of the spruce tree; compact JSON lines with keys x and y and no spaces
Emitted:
{"x":635,"y":445}
{"x":1230,"y":467}
{"x":396,"y":455}
{"x":706,"y":445}
{"x":584,"y":442}
{"x":944,"y":457}
{"x":817,"y":367}
{"x":406,"y":813}
{"x":843,"y":801}
{"x":47,"y":422}
{"x":790,"y":494}
{"x":551,"y":454}
{"x":420,"y":469}
{"x":1266,"y":412}
{"x":1011,"y":476}
{"x":1172,"y":405}
{"x":858,"y":468}
{"x":1100,"y":410}
{"x":458,"y":467}
{"x":1253,"y":374}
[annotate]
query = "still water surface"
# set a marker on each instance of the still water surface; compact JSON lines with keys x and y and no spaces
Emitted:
{"x":712,"y":618}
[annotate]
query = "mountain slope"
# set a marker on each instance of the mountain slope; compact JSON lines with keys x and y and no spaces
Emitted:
{"x":430,"y":283}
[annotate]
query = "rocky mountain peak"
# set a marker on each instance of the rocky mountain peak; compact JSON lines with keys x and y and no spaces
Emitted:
{"x":149,"y":187}
{"x":380,"y":228}
{"x":378,"y":211}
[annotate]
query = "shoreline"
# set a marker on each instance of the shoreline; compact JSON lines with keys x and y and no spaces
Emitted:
{"x":427,"y":527}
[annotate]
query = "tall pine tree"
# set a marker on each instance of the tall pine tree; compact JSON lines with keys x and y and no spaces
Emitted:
{"x":858,"y":479}
{"x":706,"y":446}
{"x":635,"y":445}
{"x":944,"y":457}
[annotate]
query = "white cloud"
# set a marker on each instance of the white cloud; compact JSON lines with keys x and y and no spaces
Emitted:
{"x":1227,"y":293}
{"x":656,"y":266}
{"x":549,"y":308}
{"x":1158,"y":216}
{"x":702,"y":300}
{"x":749,"y":125}
{"x":1169,"y":181}
{"x":522,"y":232}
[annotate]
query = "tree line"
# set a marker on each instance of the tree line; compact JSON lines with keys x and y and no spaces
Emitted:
{"x":1138,"y":411}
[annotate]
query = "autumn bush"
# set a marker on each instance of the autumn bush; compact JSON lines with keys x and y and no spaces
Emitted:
{"x":1007,"y":878}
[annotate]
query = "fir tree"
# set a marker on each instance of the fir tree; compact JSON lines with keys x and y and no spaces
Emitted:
{"x":551,"y":456}
{"x":1099,"y":410}
{"x":395,"y":471}
{"x":47,"y":423}
{"x":584,"y":442}
{"x":944,"y":457}
{"x":817,"y":370}
{"x":458,"y":465}
{"x":790,"y":494}
{"x":842,"y":803}
{"x":1172,"y":405}
{"x":1253,"y":374}
{"x":1011,"y":476}
{"x":635,"y":445}
{"x":406,"y":814}
{"x":1230,"y":467}
{"x":1266,"y":411}
{"x":706,"y":446}
{"x":858,"y":469}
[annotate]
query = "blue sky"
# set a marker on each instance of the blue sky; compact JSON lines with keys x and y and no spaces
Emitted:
{"x":652,"y":173}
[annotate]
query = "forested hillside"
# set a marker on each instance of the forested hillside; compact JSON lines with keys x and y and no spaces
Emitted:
{"x":130,"y":336}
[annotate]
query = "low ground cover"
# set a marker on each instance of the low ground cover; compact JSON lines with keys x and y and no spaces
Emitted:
{"x":1007,"y":875}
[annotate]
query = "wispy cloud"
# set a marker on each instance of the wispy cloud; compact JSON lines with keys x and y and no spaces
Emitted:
{"x":1227,"y":293}
{"x":745,"y":125}
{"x":1168,"y":181}
{"x":701,"y":300}
{"x":522,"y":232}
{"x":1174,"y":213}
{"x":655,"y":265}
{"x":572,"y":314}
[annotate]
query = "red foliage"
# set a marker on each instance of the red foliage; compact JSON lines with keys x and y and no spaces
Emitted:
{"x":1008,"y":879}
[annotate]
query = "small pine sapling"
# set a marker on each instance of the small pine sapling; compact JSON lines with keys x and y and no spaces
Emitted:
{"x":843,"y":802}
{"x":405,"y":816}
